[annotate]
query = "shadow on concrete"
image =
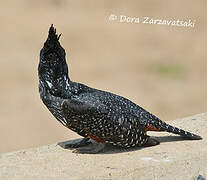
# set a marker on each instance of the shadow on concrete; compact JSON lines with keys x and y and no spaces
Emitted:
{"x":110,"y":149}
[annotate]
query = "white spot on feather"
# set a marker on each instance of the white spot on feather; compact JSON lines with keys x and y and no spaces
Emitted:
{"x":49,"y":84}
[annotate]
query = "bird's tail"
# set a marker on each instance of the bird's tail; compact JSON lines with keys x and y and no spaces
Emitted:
{"x":159,"y":125}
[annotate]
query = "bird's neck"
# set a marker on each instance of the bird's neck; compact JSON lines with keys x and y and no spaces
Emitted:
{"x":54,"y":81}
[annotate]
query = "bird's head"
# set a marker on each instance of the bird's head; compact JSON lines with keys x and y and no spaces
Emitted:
{"x":52,"y":55}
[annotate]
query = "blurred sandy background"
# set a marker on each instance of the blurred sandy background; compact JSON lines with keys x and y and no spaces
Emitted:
{"x":160,"y":68}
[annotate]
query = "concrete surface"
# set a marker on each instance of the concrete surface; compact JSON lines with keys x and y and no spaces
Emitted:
{"x":174,"y":158}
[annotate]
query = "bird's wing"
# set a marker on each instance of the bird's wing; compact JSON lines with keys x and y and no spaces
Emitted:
{"x":77,"y":107}
{"x":101,"y":106}
{"x":100,"y":115}
{"x":84,"y":116}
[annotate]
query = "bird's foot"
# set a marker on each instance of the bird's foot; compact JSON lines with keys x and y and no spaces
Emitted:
{"x":151,"y":142}
{"x":80,"y":143}
{"x":93,"y":148}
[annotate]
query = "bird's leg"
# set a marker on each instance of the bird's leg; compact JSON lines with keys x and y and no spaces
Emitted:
{"x":93,"y":148}
{"x":151,"y":142}
{"x":80,"y":143}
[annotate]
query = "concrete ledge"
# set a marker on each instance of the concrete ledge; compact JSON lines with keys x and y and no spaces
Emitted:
{"x":174,"y":158}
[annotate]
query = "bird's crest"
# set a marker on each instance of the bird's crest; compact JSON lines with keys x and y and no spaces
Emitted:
{"x":52,"y":43}
{"x":52,"y":36}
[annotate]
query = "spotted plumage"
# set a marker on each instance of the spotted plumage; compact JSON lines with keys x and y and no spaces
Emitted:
{"x":94,"y":114}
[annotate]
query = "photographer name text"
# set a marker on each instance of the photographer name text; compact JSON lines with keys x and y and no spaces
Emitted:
{"x":152,"y":21}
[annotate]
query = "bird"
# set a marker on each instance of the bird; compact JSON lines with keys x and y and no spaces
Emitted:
{"x":98,"y":116}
